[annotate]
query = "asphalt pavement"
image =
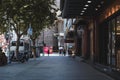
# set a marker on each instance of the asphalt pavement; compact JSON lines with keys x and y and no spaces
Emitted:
{"x":51,"y":68}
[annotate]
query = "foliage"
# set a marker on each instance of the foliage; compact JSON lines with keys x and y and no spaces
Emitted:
{"x":18,"y":14}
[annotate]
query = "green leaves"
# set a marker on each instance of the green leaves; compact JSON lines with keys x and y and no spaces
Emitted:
{"x":23,"y":12}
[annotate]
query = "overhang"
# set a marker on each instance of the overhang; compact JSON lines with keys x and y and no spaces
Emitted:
{"x":78,"y":8}
{"x":80,"y":22}
{"x":69,"y":41}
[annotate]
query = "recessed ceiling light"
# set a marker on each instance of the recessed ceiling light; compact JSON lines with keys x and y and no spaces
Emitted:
{"x":102,"y":2}
{"x":96,"y":9}
{"x":83,"y":11}
{"x":86,"y":5}
{"x":118,"y":21}
{"x":84,"y":8}
{"x":89,"y":1}
{"x":99,"y":6}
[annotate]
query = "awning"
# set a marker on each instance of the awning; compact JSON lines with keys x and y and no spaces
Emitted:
{"x":69,"y":40}
{"x":69,"y":37}
{"x":78,"y":8}
{"x":81,"y":22}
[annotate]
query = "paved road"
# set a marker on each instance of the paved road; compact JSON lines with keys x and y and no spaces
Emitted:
{"x":51,"y":68}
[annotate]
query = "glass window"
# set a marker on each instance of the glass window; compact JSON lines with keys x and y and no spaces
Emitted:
{"x":118,"y":25}
{"x":113,"y":25}
{"x":118,"y":41}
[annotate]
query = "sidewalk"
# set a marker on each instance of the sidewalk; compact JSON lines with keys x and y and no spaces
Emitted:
{"x":107,"y":70}
{"x":101,"y":68}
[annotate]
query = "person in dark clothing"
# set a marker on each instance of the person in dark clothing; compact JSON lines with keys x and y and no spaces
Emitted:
{"x":60,"y":51}
{"x":64,"y":52}
{"x":48,"y":52}
{"x":3,"y":58}
{"x":69,"y":52}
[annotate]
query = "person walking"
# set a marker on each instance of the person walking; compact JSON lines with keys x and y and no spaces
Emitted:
{"x":64,"y":52}
{"x":69,"y":52}
{"x":48,"y":52}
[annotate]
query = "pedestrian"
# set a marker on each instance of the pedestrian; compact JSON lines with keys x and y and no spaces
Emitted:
{"x":69,"y":52}
{"x":3,"y":58}
{"x":60,"y":52}
{"x":64,"y":52}
{"x":48,"y":52}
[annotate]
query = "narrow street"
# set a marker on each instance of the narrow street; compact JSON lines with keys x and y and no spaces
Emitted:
{"x":51,"y":68}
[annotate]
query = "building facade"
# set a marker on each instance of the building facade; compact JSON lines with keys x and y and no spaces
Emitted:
{"x":53,"y":36}
{"x":96,"y":29}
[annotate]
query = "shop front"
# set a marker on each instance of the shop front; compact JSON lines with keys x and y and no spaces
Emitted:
{"x":109,"y":36}
{"x":114,"y":42}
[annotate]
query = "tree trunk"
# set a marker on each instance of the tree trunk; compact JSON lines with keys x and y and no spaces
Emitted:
{"x":17,"y":46}
{"x":34,"y":49}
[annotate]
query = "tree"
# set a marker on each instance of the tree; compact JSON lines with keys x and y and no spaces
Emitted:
{"x":43,"y":17}
{"x":20,"y":13}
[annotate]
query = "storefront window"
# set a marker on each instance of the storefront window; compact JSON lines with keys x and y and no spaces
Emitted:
{"x":118,"y":41}
{"x":111,"y":46}
{"x":113,"y":37}
{"x":118,"y":25}
{"x":113,"y":42}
